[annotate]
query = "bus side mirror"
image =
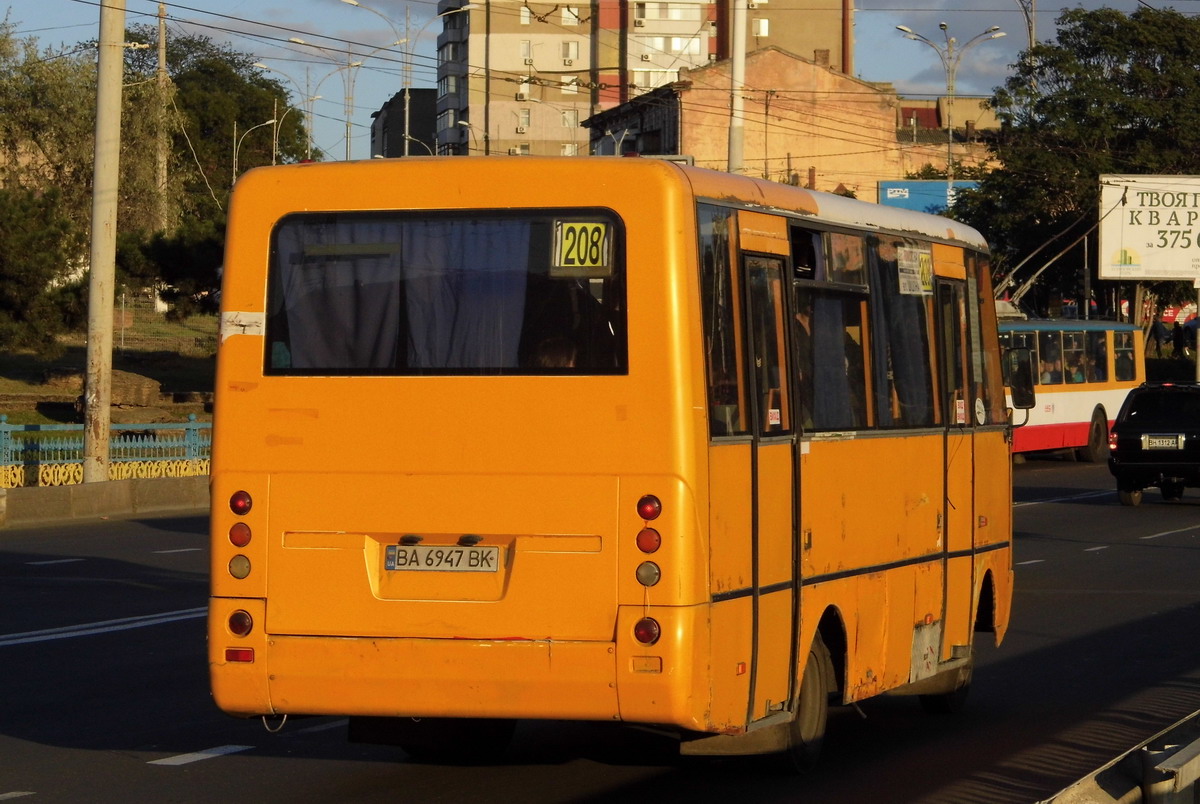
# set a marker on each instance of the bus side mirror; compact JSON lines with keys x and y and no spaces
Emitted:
{"x":1018,"y":370}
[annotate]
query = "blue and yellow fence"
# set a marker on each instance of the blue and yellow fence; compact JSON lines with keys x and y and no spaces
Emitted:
{"x":52,"y":454}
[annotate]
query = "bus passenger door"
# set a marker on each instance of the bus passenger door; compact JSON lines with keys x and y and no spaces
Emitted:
{"x":959,"y":462}
{"x":773,"y":485}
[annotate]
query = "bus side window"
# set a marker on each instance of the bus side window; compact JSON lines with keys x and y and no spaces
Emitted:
{"x":808,"y":253}
{"x":1074,"y":361}
{"x":1097,"y":357}
{"x":1050,"y":351}
{"x":1123,"y":352}
{"x":831,"y":369}
{"x":900,"y":330}
{"x":722,"y":347}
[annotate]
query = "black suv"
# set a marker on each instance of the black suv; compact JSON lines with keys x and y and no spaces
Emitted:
{"x":1155,"y":441}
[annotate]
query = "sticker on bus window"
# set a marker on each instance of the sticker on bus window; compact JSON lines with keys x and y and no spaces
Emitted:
{"x":582,"y":249}
{"x":916,"y":271}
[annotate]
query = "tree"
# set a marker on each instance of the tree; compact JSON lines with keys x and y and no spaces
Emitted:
{"x":38,"y":245}
{"x":214,"y":88}
{"x":1115,"y":94}
{"x":47,"y":122}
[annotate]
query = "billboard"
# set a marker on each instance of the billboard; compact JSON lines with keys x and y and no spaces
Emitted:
{"x":922,"y":196}
{"x":1150,"y":227}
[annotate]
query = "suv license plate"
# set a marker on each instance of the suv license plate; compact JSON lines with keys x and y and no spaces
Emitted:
{"x":1162,"y":442}
{"x":442,"y":558}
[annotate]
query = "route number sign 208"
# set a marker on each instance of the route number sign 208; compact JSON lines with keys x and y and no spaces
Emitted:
{"x":582,"y":248}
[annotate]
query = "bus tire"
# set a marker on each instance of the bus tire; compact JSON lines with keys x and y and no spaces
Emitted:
{"x":1097,"y":445}
{"x":1131,"y":497}
{"x":806,"y":732}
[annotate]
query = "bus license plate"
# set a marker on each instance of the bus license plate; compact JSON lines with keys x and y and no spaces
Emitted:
{"x":442,"y":558}
{"x":1162,"y":442}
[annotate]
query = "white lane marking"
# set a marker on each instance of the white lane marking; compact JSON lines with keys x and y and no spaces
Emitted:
{"x":15,"y":794}
{"x":1169,"y":532}
{"x":1068,"y":498}
{"x":103,"y":627}
{"x":180,"y":550}
{"x":1094,"y":549}
{"x":209,"y":753}
{"x":54,"y":561}
{"x":1034,"y":561}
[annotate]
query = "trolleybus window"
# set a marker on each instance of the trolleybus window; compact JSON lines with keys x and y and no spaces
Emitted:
{"x":1123,"y":351}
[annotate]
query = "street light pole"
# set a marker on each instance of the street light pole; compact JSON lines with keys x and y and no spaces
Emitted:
{"x":237,"y":144}
{"x":307,"y":99}
{"x":400,"y":40}
{"x":408,"y":41}
{"x":347,"y":79}
{"x":951,"y":55}
{"x":1029,"y":11}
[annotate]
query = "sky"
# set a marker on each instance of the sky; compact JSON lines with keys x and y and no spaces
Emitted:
{"x":263,"y":28}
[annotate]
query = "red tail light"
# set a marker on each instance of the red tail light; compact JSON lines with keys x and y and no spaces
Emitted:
{"x":244,"y":655}
{"x":239,"y":534}
{"x":649,"y":507}
{"x":647,"y":631}
{"x":240,"y":623}
{"x":240,"y":503}
{"x":649,"y":540}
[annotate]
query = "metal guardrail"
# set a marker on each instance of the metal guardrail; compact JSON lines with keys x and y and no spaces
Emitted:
{"x":1162,"y":770}
{"x":52,"y":454}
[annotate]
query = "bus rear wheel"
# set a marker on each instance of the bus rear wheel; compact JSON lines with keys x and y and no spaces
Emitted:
{"x":1132,"y":497}
{"x":1097,"y":444}
{"x":806,"y":732}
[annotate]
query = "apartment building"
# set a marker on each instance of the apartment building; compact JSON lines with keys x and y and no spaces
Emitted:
{"x":518,"y":77}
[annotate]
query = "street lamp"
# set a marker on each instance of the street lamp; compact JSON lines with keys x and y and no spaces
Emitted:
{"x":237,"y":144}
{"x":1029,"y":11}
{"x":408,"y":41}
{"x":279,"y":128}
{"x":307,"y":101}
{"x":347,"y":79}
{"x":465,"y":124}
{"x":951,"y":55}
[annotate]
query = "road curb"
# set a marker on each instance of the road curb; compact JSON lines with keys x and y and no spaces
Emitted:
{"x":35,"y":505}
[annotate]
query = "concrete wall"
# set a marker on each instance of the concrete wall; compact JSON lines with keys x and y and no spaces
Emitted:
{"x":33,"y":505}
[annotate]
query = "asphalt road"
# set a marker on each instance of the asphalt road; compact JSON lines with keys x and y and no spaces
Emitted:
{"x":105,"y":690}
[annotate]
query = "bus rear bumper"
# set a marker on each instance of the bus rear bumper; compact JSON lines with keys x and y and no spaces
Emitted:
{"x":315,"y":675}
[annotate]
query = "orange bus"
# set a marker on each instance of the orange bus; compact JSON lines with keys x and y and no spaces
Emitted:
{"x":599,"y":439}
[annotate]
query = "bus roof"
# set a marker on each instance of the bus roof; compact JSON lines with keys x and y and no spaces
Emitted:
{"x":1073,"y":324}
{"x":831,"y":208}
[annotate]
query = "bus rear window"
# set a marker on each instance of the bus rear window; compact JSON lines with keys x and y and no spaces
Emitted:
{"x":479,"y":292}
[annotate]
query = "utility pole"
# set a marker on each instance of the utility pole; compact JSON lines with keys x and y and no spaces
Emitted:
{"x":161,"y":155}
{"x":737,"y":82}
{"x":106,"y":176}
